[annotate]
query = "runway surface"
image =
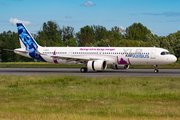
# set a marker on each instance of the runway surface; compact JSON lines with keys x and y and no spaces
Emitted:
{"x":76,"y":72}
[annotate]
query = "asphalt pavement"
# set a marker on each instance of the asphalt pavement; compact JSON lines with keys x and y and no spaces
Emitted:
{"x":76,"y":72}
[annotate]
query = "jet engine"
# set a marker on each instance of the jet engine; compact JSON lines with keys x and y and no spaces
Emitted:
{"x":97,"y":65}
{"x":120,"y":67}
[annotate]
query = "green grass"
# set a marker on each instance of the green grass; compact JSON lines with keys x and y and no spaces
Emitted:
{"x":175,"y":65}
{"x":74,"y":97}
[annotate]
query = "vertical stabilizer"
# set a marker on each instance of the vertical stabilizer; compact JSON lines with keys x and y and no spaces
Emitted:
{"x":28,"y":42}
{"x":26,"y":37}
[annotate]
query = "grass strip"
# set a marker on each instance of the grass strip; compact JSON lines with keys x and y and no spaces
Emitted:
{"x":75,"y":97}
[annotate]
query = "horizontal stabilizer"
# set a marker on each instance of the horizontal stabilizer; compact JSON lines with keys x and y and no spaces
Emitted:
{"x":21,"y":50}
{"x":8,"y":50}
{"x":17,"y":50}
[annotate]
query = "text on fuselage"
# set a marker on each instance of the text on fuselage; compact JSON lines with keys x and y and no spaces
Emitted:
{"x":136,"y":54}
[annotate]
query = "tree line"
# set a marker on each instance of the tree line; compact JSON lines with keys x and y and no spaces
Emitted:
{"x":136,"y":35}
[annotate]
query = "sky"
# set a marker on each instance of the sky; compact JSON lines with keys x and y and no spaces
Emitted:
{"x":162,"y":17}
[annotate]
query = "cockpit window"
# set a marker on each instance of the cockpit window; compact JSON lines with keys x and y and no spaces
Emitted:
{"x":165,"y":53}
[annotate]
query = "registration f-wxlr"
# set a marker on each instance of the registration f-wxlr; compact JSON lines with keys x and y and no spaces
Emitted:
{"x":93,"y":58}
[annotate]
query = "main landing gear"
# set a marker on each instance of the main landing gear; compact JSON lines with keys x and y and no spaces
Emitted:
{"x":156,"y":69}
{"x":83,"y":69}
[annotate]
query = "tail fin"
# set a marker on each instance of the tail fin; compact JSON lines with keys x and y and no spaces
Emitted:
{"x":26,"y":40}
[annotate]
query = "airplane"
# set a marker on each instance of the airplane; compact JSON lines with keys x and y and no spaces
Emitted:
{"x":93,"y":58}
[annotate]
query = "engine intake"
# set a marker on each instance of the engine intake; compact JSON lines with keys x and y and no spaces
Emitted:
{"x":120,"y":67}
{"x":98,"y":65}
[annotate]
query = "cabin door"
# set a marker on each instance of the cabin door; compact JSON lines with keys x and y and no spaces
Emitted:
{"x":70,"y":53}
{"x":153,"y":54}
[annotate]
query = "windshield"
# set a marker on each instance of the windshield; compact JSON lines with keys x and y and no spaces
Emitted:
{"x":165,"y":53}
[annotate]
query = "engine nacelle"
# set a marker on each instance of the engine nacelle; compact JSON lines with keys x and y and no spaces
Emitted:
{"x":97,"y":65}
{"x":120,"y":67}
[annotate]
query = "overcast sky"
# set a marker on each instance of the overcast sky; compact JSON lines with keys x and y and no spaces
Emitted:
{"x":161,"y":16}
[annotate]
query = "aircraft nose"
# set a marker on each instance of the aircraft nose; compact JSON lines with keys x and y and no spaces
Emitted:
{"x":173,"y":59}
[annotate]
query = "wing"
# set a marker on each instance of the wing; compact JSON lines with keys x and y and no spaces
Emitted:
{"x":75,"y":58}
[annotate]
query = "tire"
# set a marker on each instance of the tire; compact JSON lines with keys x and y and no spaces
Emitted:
{"x":83,"y":69}
{"x":156,"y":71}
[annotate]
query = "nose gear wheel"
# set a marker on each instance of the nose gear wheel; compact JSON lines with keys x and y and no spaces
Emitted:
{"x":156,"y":69}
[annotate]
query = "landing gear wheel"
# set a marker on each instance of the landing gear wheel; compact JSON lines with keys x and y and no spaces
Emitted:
{"x":156,"y":69}
{"x":83,"y":69}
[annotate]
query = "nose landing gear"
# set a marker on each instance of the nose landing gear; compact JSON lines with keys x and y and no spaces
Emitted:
{"x":156,"y":69}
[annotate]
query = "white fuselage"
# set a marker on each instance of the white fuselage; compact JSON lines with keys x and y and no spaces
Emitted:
{"x":112,"y":55}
